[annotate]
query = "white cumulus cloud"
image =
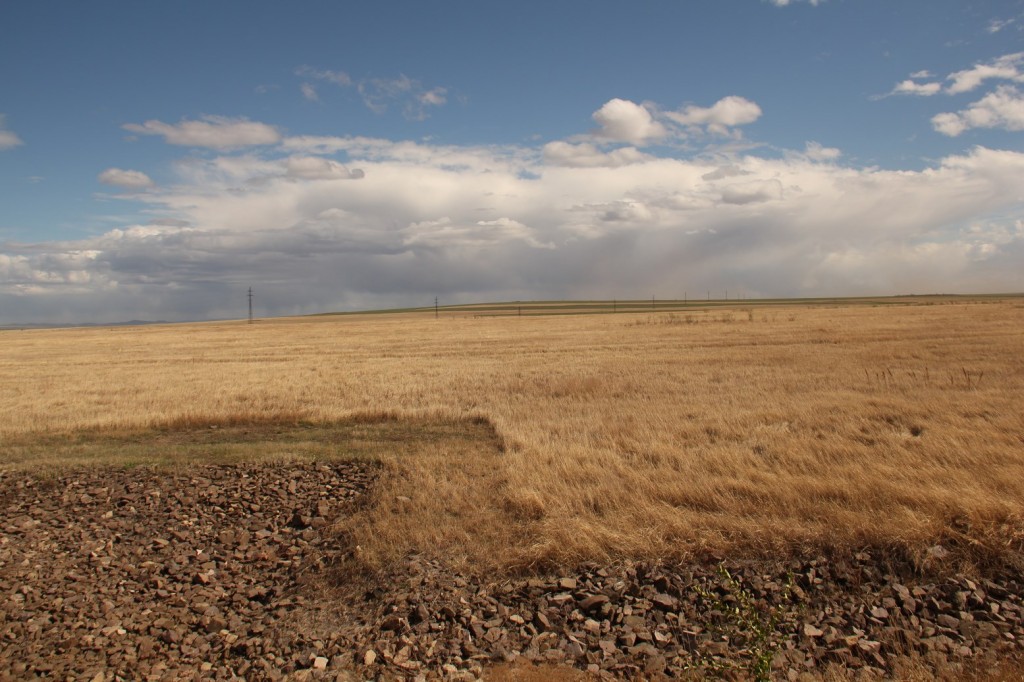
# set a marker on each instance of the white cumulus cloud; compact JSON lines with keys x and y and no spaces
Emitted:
{"x":621,"y":120}
{"x":817,"y":152}
{"x":724,"y":114}
{"x":379,"y":94}
{"x":910,"y":87}
{"x":1003,"y":108}
{"x":1006,"y":67}
{"x":337,"y":77}
{"x":8,"y":139}
{"x":434,"y":98}
{"x":997,"y":25}
{"x":129,"y":179}
{"x":214,"y":132}
{"x":309,"y":92}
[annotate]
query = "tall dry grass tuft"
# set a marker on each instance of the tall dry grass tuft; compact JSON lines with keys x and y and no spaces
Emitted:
{"x":797,"y":427}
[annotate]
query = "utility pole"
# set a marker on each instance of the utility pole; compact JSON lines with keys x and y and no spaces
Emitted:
{"x":435,"y":307}
{"x":250,"y":305}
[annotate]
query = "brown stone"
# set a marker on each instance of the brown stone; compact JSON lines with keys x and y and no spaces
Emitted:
{"x":593,"y":602}
{"x":812,"y":631}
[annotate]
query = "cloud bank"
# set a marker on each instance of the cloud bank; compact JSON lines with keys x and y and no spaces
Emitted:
{"x":316,"y":223}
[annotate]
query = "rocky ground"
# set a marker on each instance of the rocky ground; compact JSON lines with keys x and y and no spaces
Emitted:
{"x":222,"y":572}
{"x":164,"y":574}
{"x":644,"y":621}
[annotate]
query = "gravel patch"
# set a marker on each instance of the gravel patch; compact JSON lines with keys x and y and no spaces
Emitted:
{"x":164,"y":574}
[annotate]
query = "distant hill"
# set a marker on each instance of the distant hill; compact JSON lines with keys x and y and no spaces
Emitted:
{"x":129,"y":323}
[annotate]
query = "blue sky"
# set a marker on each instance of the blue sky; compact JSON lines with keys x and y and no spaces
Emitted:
{"x":156,"y":159}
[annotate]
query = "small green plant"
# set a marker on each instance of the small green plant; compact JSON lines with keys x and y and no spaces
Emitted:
{"x":752,"y":622}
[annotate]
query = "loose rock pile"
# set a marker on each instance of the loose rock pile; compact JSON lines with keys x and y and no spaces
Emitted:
{"x":157,"y":574}
{"x":219,"y":572}
{"x":640,"y":621}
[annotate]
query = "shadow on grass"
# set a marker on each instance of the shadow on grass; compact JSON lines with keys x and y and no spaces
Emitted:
{"x":231,"y":440}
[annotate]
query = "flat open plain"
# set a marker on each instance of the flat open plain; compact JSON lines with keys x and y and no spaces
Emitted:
{"x":669,"y":463}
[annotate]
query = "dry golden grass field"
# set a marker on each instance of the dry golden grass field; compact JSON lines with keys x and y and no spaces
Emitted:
{"x":536,"y":440}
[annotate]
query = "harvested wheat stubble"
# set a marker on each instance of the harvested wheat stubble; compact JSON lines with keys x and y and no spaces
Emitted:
{"x":166,"y":574}
{"x":620,"y":436}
